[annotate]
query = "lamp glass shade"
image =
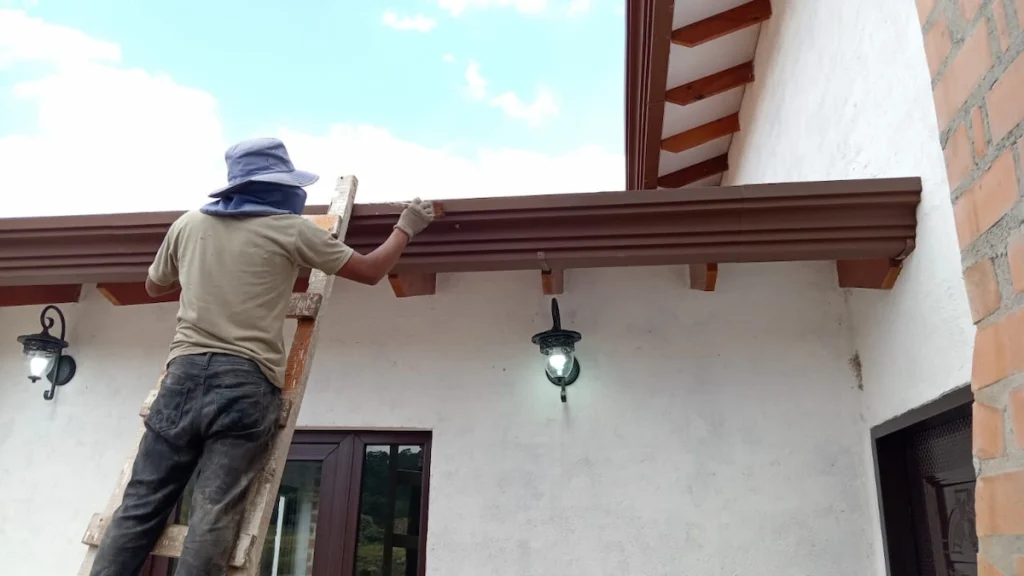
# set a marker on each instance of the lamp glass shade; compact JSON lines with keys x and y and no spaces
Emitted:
{"x":39,"y":363}
{"x":560,"y":362}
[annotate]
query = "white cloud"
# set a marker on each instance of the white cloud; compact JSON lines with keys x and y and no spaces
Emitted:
{"x":540,"y":111}
{"x":457,"y":7}
{"x":535,"y":114}
{"x":112,"y":139}
{"x":448,"y":58}
{"x":419,"y":22}
{"x":577,"y":7}
{"x":476,"y":83}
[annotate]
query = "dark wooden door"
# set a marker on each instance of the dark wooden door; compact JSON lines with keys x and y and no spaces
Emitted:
{"x":941,"y":479}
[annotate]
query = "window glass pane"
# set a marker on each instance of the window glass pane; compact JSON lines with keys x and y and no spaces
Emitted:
{"x":288,"y":548}
{"x":389,"y":511}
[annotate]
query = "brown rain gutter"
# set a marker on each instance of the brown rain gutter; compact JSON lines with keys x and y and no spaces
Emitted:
{"x":843,"y":220}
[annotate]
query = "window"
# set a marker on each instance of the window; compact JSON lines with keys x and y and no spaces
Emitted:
{"x":352,"y":503}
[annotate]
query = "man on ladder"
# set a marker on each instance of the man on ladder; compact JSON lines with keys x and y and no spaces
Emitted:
{"x":236,"y":261}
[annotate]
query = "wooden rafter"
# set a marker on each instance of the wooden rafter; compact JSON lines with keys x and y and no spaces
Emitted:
{"x":877,"y":273}
{"x":39,"y":295}
{"x":407,"y":285}
{"x":708,"y":86}
{"x":703,"y":277}
{"x":702,"y":134}
{"x":552,"y":282}
{"x":723,"y":23}
{"x":694,"y":173}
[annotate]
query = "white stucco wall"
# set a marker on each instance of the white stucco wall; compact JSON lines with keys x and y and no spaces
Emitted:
{"x":842,"y":91}
{"x":709,"y":433}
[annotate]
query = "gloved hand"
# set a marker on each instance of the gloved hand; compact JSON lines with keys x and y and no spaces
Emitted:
{"x":416,"y":217}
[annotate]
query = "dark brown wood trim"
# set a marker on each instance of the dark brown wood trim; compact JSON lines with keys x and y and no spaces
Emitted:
{"x":39,"y":295}
{"x":751,"y":223}
{"x":944,"y":403}
{"x":695,"y":173}
{"x":712,"y":85}
{"x":702,"y":134}
{"x":723,"y":23}
{"x":649,"y":32}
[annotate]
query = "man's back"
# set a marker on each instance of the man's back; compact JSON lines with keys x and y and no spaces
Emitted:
{"x":236,"y":275}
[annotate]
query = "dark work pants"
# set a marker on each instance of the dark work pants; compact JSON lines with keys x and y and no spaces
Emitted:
{"x":214,"y":411}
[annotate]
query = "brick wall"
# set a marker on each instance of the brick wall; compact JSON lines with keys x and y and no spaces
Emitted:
{"x":974,"y":55}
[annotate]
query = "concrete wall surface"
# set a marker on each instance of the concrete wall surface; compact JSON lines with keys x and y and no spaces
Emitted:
{"x":843,"y":91}
{"x":709,"y":433}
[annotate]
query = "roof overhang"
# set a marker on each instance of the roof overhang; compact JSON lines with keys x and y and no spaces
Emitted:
{"x":869,"y":222}
{"x":687,"y":66}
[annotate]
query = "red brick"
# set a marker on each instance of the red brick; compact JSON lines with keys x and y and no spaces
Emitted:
{"x":1019,"y":563}
{"x":999,"y":504}
{"x":959,"y":159}
{"x":1016,"y":256}
{"x":1005,"y":104}
{"x":970,"y":8}
{"x":924,"y":8}
{"x":937,"y":45}
{"x":987,"y":436}
{"x":985,"y":202}
{"x":982,"y":289}
{"x":962,"y":76}
{"x":997,"y":351}
{"x":978,"y":134}
{"x":1002,"y":25}
{"x":985,"y":568}
{"x":1017,"y":415}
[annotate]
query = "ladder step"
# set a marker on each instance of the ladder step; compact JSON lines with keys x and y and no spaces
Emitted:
{"x":282,"y":418}
{"x":171,"y":541}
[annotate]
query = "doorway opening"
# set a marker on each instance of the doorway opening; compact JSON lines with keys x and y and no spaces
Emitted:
{"x":924,"y":473}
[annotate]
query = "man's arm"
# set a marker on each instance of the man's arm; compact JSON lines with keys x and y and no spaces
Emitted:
{"x":163,"y":273}
{"x":371,"y":268}
{"x":156,"y":290}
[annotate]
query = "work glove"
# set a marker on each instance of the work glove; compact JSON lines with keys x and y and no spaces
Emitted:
{"x":416,"y":217}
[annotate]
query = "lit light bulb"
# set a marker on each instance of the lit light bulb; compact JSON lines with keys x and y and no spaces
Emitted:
{"x":559,"y":363}
{"x":38,"y":364}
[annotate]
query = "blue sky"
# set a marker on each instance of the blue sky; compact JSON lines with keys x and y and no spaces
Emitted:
{"x":460,"y":76}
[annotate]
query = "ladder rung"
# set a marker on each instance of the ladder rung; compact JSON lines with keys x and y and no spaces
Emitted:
{"x":171,"y":540}
{"x":304,"y":306}
{"x":282,"y":417}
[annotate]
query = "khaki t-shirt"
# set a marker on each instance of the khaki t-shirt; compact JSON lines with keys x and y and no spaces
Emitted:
{"x":236,"y":276}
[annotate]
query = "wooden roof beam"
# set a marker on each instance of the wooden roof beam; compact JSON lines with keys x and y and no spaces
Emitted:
{"x":413,"y":284}
{"x":712,"y":85}
{"x":552,"y":282}
{"x":39,"y":295}
{"x":723,"y":23}
{"x":695,"y":173}
{"x":703,"y":277}
{"x":874,"y":274}
{"x":702,"y":134}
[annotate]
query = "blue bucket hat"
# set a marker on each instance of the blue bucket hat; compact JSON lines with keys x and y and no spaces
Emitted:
{"x":261,"y":160}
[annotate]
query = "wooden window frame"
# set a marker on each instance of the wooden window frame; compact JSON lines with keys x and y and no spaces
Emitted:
{"x":341,"y":453}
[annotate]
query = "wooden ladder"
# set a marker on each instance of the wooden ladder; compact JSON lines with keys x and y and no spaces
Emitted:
{"x":307,"y":309}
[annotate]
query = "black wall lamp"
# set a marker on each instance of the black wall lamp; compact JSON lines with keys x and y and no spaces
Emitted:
{"x":45,"y":353}
{"x":559,"y":346}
